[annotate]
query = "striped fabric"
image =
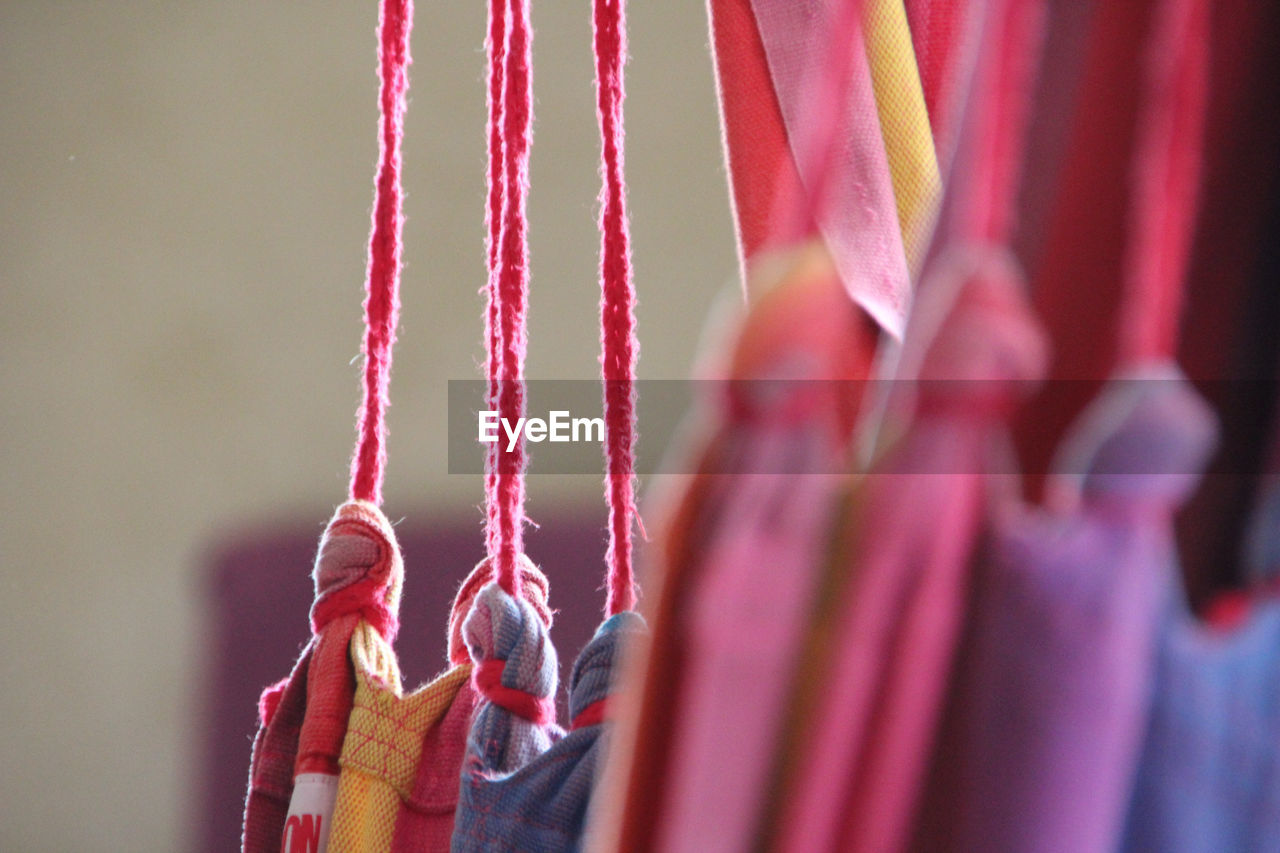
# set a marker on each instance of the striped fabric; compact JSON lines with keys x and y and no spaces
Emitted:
{"x":539,"y":805}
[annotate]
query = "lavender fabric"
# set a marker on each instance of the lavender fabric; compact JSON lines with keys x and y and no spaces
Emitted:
{"x":1047,"y":721}
{"x":524,"y":786}
{"x":1209,"y":778}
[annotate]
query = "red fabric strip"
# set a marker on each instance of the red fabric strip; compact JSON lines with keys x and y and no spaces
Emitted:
{"x":487,"y":679}
{"x":1166,"y":177}
{"x":592,"y":715}
{"x":382,"y":284}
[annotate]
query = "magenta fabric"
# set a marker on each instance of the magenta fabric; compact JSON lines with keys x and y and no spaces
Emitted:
{"x":858,"y":198}
{"x":425,"y":821}
{"x":875,"y":671}
{"x":1048,"y":716}
{"x":746,"y":611}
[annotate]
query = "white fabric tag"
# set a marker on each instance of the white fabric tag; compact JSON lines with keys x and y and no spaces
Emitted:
{"x":306,"y":828}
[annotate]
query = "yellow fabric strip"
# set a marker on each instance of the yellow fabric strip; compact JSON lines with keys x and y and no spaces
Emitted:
{"x":904,"y":124}
{"x":383,"y":746}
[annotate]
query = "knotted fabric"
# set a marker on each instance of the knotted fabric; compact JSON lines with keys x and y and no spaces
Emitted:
{"x":540,"y":805}
{"x":358,"y":575}
{"x":403,"y":752}
{"x":501,"y":629}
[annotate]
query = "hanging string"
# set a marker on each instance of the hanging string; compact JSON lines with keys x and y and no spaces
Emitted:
{"x":1166,"y":181}
{"x":619,"y":348}
{"x":495,"y":50}
{"x":382,"y":284}
{"x":504,"y":479}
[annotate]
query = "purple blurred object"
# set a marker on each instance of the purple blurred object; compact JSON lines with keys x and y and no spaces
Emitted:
{"x":1209,"y":779}
{"x":1047,"y":720}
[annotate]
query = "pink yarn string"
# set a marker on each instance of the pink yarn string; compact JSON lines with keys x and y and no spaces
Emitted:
{"x":1166,"y":180}
{"x":495,"y":50}
{"x":382,"y":284}
{"x":619,"y":348}
{"x":505,"y":488}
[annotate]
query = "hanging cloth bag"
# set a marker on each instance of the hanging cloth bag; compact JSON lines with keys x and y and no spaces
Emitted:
{"x":741,"y":549}
{"x":1046,"y":720}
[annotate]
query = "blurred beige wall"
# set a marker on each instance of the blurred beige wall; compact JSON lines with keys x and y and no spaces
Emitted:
{"x":185,"y":204}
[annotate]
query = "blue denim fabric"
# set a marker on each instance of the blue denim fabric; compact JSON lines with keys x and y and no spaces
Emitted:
{"x":1209,"y":778}
{"x":541,"y":806}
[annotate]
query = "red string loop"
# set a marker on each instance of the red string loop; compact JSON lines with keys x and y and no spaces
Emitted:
{"x":382,"y":283}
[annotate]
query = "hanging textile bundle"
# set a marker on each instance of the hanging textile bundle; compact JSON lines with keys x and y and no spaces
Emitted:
{"x":345,"y":760}
{"x":1207,"y":777}
{"x":1067,"y":600}
{"x":873,"y":669}
{"x":293,"y":781}
{"x":294,"y":776}
{"x":526,"y":783}
{"x":745,"y":539}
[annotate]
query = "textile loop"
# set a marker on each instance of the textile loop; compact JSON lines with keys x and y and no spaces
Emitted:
{"x":358,"y":570}
{"x":592,"y":715}
{"x":533,"y":589}
{"x":516,"y":665}
{"x":487,"y":680}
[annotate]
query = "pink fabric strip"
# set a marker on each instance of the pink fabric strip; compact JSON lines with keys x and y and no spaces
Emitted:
{"x":382,"y":303}
{"x":857,"y":199}
{"x":1166,"y":181}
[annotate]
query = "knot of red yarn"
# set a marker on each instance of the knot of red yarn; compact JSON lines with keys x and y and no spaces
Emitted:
{"x":358,"y":570}
{"x":487,"y":679}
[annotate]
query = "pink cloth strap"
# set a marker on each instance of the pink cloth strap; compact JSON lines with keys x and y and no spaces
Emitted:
{"x":1166,"y":177}
{"x":382,"y":284}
